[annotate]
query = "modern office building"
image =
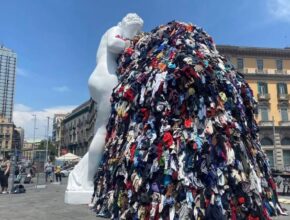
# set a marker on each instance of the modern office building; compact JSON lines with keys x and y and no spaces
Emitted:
{"x":7,"y":81}
{"x":267,"y":70}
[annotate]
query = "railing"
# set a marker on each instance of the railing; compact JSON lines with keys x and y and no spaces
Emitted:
{"x":284,"y":123}
{"x":283,"y":96}
{"x":266,"y":123}
{"x":263,"y":96}
{"x":281,"y":71}
{"x":261,"y":71}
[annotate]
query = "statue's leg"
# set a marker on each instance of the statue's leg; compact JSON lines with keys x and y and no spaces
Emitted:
{"x":78,"y":175}
{"x":96,"y":151}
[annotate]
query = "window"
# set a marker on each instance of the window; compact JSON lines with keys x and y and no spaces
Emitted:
{"x":284,"y":114}
{"x":266,"y":141}
{"x":262,"y":88}
{"x":270,"y":156}
{"x":286,"y":157}
{"x":285,"y":141}
{"x":264,"y":114}
{"x":279,"y":64}
{"x":260,"y":64}
{"x":282,"y":89}
{"x":240,"y":63}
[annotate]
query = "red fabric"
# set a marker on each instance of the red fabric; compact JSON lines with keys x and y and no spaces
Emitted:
{"x":129,"y":95}
{"x":154,"y":63}
{"x":199,"y":54}
{"x":132,"y":151}
{"x":194,"y":146}
{"x":129,"y":51}
{"x":145,"y":112}
{"x":121,"y":89}
{"x":241,"y":200}
{"x":210,"y":112}
{"x":168,"y":139}
{"x":175,"y":175}
{"x":172,"y":55}
{"x":129,"y":184}
{"x":159,"y":150}
{"x":120,"y":37}
{"x":266,"y":214}
{"x":273,"y":184}
{"x":157,"y":216}
{"x":253,"y":218}
{"x":234,"y":211}
{"x":189,"y":72}
{"x":188,"y":123}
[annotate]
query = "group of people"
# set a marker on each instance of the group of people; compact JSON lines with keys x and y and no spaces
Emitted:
{"x":49,"y":170}
{"x":5,"y":165}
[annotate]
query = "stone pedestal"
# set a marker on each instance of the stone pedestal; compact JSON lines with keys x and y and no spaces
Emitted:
{"x":78,"y":197}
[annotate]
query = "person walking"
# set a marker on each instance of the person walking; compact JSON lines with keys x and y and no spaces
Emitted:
{"x":57,"y":173}
{"x":48,"y":168}
{"x":5,"y":172}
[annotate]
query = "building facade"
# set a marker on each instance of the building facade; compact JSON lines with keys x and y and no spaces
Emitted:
{"x":267,"y":70}
{"x":20,"y":134}
{"x":78,"y":128}
{"x":6,"y":135}
{"x":29,"y":148}
{"x":57,"y":131}
{"x":7,"y":81}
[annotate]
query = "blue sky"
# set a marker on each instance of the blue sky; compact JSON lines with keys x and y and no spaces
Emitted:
{"x":56,"y":41}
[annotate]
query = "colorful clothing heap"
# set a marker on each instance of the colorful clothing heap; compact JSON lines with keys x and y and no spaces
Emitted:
{"x":182,"y":142}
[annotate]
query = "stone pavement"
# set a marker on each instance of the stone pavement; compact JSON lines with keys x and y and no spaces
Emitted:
{"x":47,"y":204}
{"x":42,"y":204}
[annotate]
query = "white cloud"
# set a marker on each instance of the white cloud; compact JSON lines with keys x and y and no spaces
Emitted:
{"x":61,"y":89}
{"x":23,"y":117}
{"x":279,"y":9}
{"x":22,"y":72}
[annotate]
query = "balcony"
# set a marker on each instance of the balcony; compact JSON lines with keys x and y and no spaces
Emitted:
{"x":281,"y":71}
{"x":283,"y":97}
{"x":266,"y":123}
{"x":263,"y":97}
{"x":263,"y":71}
{"x":284,"y":123}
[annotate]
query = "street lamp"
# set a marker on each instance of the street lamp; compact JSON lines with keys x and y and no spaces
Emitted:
{"x":46,"y":150}
{"x":34,"y":128}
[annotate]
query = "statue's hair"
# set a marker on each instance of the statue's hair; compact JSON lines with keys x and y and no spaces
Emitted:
{"x":131,"y":18}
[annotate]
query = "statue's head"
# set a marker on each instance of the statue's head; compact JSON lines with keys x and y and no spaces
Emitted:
{"x":131,"y":25}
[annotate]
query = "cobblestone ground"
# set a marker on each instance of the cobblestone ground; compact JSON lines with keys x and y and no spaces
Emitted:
{"x":47,"y":204}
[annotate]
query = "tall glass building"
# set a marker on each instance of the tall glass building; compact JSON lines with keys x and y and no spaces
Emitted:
{"x":7,"y":81}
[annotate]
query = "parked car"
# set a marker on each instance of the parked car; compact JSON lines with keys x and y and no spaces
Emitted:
{"x":65,"y":172}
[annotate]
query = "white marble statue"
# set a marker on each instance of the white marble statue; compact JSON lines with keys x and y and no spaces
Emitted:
{"x":101,"y":83}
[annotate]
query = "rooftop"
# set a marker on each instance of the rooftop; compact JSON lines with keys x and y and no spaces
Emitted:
{"x":254,"y":51}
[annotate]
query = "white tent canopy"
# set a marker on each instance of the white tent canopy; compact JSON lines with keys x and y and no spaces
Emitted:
{"x":68,"y":157}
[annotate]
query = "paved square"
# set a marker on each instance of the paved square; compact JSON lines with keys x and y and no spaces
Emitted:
{"x":42,"y":204}
{"x":48,"y":204}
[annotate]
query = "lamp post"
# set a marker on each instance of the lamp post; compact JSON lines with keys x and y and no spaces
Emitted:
{"x":274,"y":152}
{"x":33,"y":145}
{"x":14,"y":164}
{"x":46,"y":150}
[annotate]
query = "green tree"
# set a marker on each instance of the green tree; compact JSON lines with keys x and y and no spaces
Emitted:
{"x":52,"y":150}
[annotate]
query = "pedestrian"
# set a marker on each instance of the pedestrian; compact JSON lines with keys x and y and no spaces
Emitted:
{"x":5,"y":171}
{"x":57,"y":173}
{"x":1,"y":172}
{"x":48,"y":168}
